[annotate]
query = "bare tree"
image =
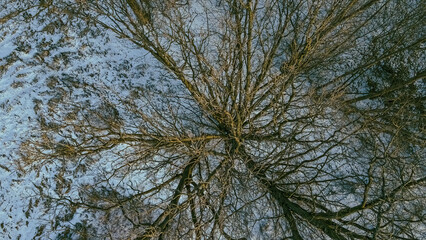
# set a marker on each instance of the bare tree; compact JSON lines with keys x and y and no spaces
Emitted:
{"x":281,"y":120}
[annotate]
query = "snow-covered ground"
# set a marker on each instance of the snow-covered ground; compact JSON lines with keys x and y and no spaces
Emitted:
{"x":36,"y":61}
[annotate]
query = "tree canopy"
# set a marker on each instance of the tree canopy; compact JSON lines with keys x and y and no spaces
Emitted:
{"x":261,"y":119}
